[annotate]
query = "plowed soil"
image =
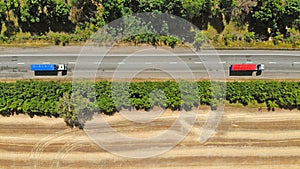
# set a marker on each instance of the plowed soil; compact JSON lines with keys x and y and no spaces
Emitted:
{"x":245,"y":138}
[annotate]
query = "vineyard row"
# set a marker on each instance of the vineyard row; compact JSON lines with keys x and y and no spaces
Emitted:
{"x":70,"y":100}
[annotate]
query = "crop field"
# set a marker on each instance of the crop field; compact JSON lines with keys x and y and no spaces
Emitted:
{"x":245,"y":138}
{"x":40,"y":124}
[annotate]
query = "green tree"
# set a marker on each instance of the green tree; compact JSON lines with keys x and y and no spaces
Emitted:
{"x":2,"y":14}
{"x":41,"y":16}
{"x":200,"y":39}
{"x":58,"y":15}
{"x":197,"y":12}
{"x":242,"y":11}
{"x":115,"y":9}
{"x":66,"y":110}
{"x":275,"y":15}
{"x":270,"y":14}
{"x":292,"y":13}
{"x":34,"y":16}
{"x":194,"y":8}
{"x":12,"y":7}
{"x":75,"y":108}
{"x":227,"y":6}
{"x":87,"y":13}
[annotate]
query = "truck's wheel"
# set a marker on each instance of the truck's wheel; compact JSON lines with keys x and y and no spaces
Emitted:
{"x":258,"y":73}
{"x":64,"y":73}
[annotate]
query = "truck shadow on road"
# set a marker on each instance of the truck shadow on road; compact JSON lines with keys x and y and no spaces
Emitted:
{"x":45,"y":73}
{"x":245,"y":73}
{"x":49,"y":73}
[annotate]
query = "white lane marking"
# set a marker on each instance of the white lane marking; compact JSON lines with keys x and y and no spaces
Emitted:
{"x":121,"y":63}
{"x":172,"y":62}
{"x":72,"y":62}
{"x":272,"y":62}
{"x":148,"y":63}
{"x":223,"y":62}
{"x":198,"y":62}
{"x":155,"y":55}
{"x":96,"y":63}
{"x":21,"y":63}
{"x":296,"y":62}
{"x":282,"y":71}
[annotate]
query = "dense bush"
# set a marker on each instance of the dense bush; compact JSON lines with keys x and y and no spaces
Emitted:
{"x":249,"y":36}
{"x":274,"y":94}
{"x":266,"y":18}
{"x":67,"y":101}
{"x":229,"y":38}
{"x":33,"y":97}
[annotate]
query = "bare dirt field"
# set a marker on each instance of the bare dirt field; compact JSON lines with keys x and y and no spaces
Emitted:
{"x":245,"y":138}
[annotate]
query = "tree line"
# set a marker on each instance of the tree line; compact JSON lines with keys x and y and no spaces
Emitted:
{"x":265,"y":18}
{"x":81,"y":100}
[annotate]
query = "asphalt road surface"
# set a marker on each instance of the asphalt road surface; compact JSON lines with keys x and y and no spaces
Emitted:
{"x":147,"y":62}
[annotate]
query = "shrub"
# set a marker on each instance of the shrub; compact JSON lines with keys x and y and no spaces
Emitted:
{"x":229,"y":38}
{"x":249,"y":36}
{"x":54,"y":98}
{"x":278,"y":38}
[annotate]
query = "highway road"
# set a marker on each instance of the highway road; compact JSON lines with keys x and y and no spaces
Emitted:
{"x":147,"y":62}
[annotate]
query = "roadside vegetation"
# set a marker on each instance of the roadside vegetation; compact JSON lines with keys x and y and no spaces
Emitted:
{"x":226,"y":23}
{"x":57,"y":99}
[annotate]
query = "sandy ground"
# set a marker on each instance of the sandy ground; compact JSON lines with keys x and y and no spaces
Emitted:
{"x":245,"y":138}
